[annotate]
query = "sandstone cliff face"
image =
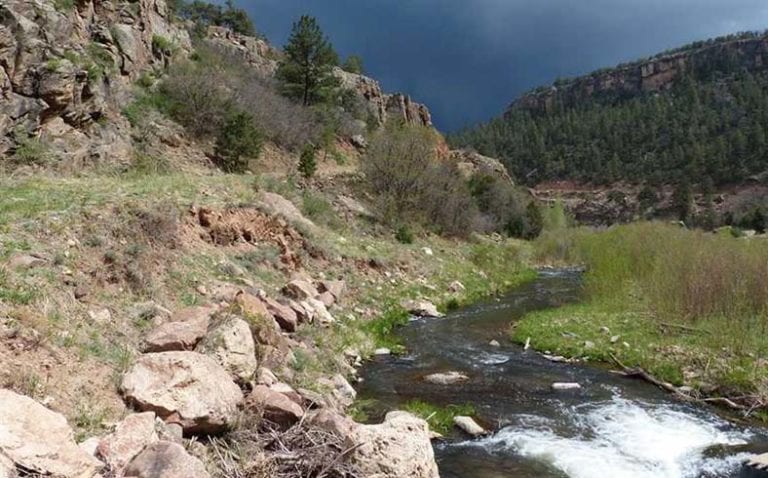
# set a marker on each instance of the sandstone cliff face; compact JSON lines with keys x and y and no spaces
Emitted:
{"x":62,"y":72}
{"x":655,"y":75}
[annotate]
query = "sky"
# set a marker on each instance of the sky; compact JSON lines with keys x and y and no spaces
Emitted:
{"x":468,"y":59}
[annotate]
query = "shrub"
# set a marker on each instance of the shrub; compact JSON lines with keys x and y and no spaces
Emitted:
{"x":163,"y":46}
{"x":413,"y":187}
{"x":30,"y":150}
{"x":307,"y":161}
{"x":353,"y":64}
{"x":404,"y":235}
{"x":238,"y":140}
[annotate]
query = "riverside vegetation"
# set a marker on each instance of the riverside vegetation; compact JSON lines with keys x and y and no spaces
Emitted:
{"x":687,"y":306}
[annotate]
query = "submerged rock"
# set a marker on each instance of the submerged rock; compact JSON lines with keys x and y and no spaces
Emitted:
{"x":447,"y":378}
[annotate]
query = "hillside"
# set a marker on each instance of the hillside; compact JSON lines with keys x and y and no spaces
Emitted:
{"x":696,"y":116}
{"x":193,"y":263}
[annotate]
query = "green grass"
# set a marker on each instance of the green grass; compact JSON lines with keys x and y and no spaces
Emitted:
{"x":440,"y":419}
{"x":691,"y":306}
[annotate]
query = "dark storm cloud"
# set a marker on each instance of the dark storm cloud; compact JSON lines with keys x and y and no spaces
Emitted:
{"x":467,"y":59}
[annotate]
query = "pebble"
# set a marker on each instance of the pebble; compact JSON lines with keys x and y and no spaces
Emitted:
{"x":382,"y":351}
{"x":494,"y":343}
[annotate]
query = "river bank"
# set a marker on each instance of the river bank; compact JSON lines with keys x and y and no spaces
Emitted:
{"x":612,"y":424}
{"x":686,"y":307}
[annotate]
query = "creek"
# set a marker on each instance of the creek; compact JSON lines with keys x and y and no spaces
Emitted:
{"x":613,"y":427}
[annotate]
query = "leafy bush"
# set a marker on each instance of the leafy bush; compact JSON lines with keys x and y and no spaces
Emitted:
{"x":238,"y":140}
{"x":163,"y":45}
{"x":413,"y":187}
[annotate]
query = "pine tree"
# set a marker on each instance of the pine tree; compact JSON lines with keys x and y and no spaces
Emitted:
{"x":307,"y":161}
{"x":306,"y":72}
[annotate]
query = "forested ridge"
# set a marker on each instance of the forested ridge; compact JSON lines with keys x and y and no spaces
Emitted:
{"x":704,"y":125}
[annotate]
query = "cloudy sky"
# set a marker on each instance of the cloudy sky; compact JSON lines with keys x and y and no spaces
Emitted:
{"x":467,"y":59}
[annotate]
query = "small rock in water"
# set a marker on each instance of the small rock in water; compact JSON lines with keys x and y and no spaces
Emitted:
{"x":469,"y":426}
{"x":565,"y":386}
{"x":382,"y":351}
{"x":447,"y":378}
{"x":494,"y":343}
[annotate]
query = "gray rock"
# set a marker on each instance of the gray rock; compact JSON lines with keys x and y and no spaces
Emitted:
{"x":469,"y":426}
{"x":231,"y":344}
{"x":447,"y":378}
{"x":165,"y":460}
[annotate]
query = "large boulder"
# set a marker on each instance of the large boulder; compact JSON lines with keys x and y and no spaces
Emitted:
{"x":274,"y":406}
{"x":130,"y":437}
{"x":165,"y":460}
{"x":283,"y":314}
{"x":300,"y":290}
{"x":186,"y":328}
{"x":187,"y":388}
{"x":39,"y":440}
{"x":397,"y":448}
{"x":231,"y":343}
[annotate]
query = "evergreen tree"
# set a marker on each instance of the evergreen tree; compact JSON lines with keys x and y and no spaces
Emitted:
{"x":534,"y":221}
{"x":238,"y":140}
{"x":353,"y":64}
{"x":306,"y":72}
{"x":308,"y":161}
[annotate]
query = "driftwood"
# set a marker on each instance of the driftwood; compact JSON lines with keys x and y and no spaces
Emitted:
{"x":684,"y":328}
{"x":731,"y":402}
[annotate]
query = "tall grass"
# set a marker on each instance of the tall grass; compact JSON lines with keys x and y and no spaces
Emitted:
{"x":680,"y":275}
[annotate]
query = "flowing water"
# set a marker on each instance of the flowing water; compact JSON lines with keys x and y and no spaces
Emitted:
{"x":613,"y":427}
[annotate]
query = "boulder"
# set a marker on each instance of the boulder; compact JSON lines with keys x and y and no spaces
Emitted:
{"x":26,"y":261}
{"x":274,"y":406}
{"x":165,"y":460}
{"x":302,"y":314}
{"x":334,"y":287}
{"x":340,"y":388}
{"x":39,"y":440}
{"x":130,"y":437}
{"x":456,"y":287}
{"x":400,"y":447}
{"x":186,"y":328}
{"x":327,"y":299}
{"x":288,"y":391}
{"x":469,"y":426}
{"x":447,"y":378}
{"x":252,"y":305}
{"x":231,"y":343}
{"x":422,"y":308}
{"x":280,"y":206}
{"x":318,"y":312}
{"x":300,"y":290}
{"x":264,"y":376}
{"x":284,"y":315}
{"x":187,"y":388}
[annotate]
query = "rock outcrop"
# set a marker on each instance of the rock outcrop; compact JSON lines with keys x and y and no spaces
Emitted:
{"x":40,"y":441}
{"x":384,"y":107}
{"x":63,"y":70}
{"x":648,"y":76}
{"x":471,"y":164}
{"x":187,"y":388}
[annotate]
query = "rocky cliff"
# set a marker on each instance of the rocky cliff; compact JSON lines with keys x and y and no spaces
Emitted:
{"x":652,"y":75}
{"x":67,"y":69}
